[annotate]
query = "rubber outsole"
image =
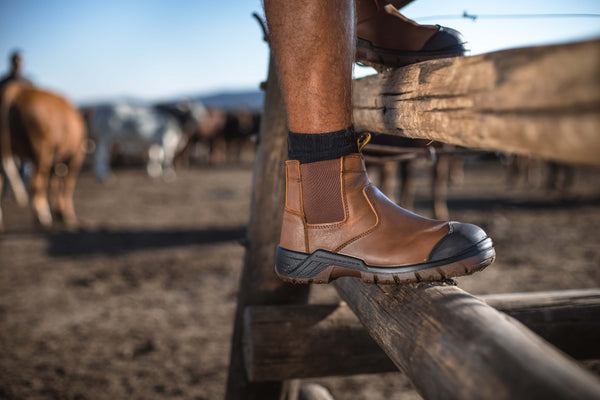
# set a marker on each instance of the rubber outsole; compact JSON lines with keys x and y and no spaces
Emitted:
{"x":376,"y":57}
{"x":324,"y":266}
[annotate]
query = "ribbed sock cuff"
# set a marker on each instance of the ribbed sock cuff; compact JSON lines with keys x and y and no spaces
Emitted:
{"x":313,"y":147}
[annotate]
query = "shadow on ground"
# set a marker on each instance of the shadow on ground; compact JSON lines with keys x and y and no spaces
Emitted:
{"x":107,"y":241}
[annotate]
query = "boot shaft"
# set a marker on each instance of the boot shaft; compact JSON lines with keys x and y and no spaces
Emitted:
{"x":325,"y":199}
{"x":310,"y":186}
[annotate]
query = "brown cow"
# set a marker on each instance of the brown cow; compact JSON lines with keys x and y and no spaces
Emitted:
{"x":44,"y":128}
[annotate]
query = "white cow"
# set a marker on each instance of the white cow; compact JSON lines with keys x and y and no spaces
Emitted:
{"x":141,"y":130}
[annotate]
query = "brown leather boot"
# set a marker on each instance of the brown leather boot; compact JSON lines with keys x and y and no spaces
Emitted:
{"x":386,"y":38}
{"x":336,"y":223}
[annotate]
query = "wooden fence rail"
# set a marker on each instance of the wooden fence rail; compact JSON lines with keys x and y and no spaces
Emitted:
{"x":328,"y":340}
{"x":453,"y":346}
{"x":542,"y":101}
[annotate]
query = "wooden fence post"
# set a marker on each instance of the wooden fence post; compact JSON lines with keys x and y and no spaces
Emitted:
{"x":259,"y":284}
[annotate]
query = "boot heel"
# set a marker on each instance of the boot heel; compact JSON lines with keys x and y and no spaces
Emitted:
{"x":296,"y":267}
{"x":287,"y":261}
{"x":319,"y":267}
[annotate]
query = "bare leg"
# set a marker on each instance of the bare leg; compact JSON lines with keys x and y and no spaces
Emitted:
{"x":68,"y":210}
{"x":313,"y":43}
{"x":331,"y":205}
{"x":54,"y":196}
{"x":39,"y":188}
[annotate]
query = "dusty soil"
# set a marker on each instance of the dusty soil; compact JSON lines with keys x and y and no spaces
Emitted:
{"x":139,"y":303}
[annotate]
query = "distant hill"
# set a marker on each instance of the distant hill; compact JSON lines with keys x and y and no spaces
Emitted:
{"x":229,"y":100}
{"x":252,"y":99}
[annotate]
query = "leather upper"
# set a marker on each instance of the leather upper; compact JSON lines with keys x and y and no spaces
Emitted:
{"x":446,"y":38}
{"x":373,"y":229}
{"x":382,"y":25}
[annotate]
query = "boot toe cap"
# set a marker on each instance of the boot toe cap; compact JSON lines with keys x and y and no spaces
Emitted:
{"x":447,"y":39}
{"x":461,"y":238}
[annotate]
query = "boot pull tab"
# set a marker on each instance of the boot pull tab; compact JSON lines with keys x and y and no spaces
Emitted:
{"x":363,"y":139}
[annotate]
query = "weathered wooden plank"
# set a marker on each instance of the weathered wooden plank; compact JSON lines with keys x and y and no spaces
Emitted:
{"x":548,"y":300}
{"x":258,"y":284}
{"x":453,"y":346}
{"x":542,"y":101}
{"x":291,"y":342}
{"x":569,"y":319}
{"x":303,"y":341}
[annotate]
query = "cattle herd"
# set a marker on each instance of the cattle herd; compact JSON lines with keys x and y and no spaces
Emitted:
{"x":165,"y":135}
{"x":43,"y":130}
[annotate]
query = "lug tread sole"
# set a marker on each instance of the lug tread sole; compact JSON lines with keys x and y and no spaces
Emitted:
{"x":382,"y":59}
{"x":455,"y":269}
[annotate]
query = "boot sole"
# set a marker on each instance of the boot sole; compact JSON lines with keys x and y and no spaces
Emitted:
{"x":380,"y":58}
{"x":323,"y":266}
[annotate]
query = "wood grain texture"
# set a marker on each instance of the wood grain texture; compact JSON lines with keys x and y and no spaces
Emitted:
{"x":289,"y":342}
{"x":453,"y":346}
{"x":259,"y":284}
{"x":303,"y":341}
{"x":542,"y":101}
{"x":568,"y":319}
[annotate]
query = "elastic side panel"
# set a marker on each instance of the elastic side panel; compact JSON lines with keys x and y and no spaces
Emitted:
{"x":322,"y":192}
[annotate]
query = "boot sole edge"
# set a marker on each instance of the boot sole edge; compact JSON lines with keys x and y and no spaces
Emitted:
{"x":376,"y":57}
{"x":323,"y":267}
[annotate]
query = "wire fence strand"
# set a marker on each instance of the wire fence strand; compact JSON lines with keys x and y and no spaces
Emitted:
{"x":475,"y":17}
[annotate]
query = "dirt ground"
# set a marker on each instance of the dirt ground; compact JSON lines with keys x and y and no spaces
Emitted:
{"x":139,"y":303}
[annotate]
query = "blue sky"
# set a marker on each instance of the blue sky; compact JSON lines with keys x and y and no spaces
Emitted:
{"x":150,"y":49}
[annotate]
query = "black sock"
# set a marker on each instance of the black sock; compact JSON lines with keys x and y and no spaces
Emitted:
{"x":308,"y":148}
